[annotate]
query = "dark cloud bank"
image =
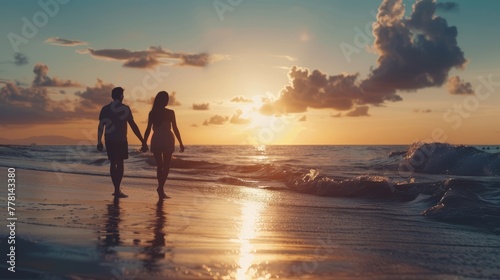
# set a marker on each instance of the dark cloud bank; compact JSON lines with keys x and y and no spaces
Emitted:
{"x":414,"y":52}
{"x":33,"y":105}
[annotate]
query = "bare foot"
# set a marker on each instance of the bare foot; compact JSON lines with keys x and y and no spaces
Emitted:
{"x":162,"y":195}
{"x":119,"y":195}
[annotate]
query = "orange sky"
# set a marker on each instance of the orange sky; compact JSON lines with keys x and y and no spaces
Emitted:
{"x":257,"y":73}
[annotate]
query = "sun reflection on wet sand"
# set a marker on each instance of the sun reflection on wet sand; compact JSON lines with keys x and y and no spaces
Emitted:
{"x":250,"y":216}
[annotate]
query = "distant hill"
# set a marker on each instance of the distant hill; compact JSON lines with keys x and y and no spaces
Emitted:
{"x":44,"y":140}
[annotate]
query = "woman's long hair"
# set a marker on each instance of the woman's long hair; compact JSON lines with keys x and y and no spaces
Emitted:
{"x":161,"y":100}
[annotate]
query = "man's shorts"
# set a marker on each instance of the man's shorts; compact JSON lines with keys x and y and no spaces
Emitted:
{"x":117,"y":150}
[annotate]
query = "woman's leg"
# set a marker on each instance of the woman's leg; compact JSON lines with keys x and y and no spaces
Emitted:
{"x":162,"y":169}
{"x":167,"y":159}
{"x":159,"y":170}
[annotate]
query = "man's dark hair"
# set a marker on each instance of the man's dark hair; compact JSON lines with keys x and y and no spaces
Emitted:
{"x":117,"y":93}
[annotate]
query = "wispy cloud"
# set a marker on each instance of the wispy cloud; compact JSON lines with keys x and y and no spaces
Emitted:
{"x":152,"y":57}
{"x":64,"y":42}
{"x":422,"y":111}
{"x":359,"y":111}
{"x":287,"y":57}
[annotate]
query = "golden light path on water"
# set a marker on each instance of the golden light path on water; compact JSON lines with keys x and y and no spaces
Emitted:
{"x":251,"y":219}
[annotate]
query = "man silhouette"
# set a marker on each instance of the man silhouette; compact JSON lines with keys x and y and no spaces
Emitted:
{"x":113,"y":121}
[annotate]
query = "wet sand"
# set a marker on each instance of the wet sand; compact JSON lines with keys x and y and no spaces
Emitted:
{"x":74,"y":229}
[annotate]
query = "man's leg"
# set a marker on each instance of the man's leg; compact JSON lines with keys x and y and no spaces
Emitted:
{"x":116,"y":171}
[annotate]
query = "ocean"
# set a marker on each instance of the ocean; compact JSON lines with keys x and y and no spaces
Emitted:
{"x":424,"y":211}
{"x":443,"y":182}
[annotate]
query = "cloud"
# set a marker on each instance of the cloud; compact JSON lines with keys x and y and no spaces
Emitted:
{"x":338,"y":115}
{"x":414,"y":52}
{"x":282,"y":67}
{"x":287,"y":57}
{"x":422,"y":111}
{"x":33,"y":105}
{"x":43,"y":80}
{"x":216,"y":120}
{"x":314,"y":90}
{"x":201,"y":107}
{"x":199,"y":60}
{"x":93,"y":98}
{"x":359,"y":111}
{"x":152,"y":57}
{"x":457,"y":86}
{"x":20,"y":59}
{"x":15,"y":82}
{"x":64,"y":42}
{"x":447,"y":6}
{"x":302,"y":119}
{"x":30,"y":106}
{"x":237,"y":119}
{"x":241,"y":99}
{"x":172,"y":99}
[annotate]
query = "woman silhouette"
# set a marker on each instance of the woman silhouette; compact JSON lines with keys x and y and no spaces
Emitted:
{"x":162,"y":141}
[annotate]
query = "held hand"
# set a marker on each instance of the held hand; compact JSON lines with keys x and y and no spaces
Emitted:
{"x":144,"y":148}
{"x":100,"y":146}
{"x":181,"y":149}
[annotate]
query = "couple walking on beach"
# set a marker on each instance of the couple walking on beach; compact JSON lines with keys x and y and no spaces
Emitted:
{"x":113,"y":121}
